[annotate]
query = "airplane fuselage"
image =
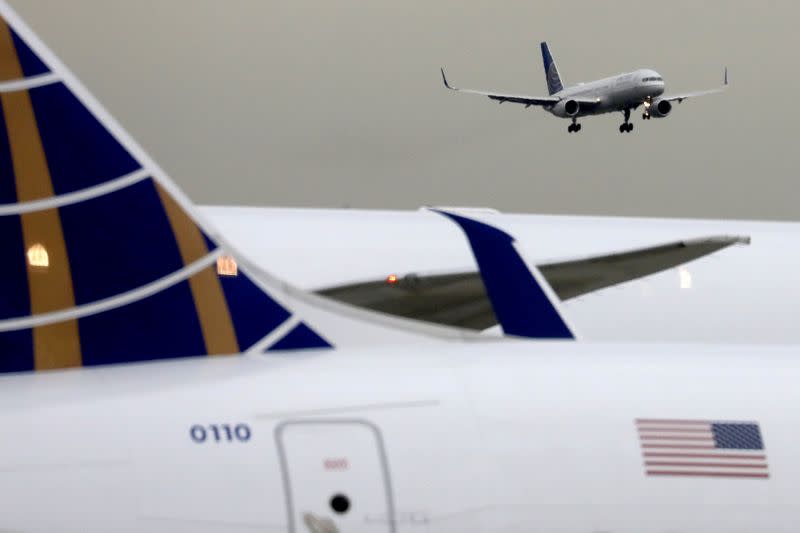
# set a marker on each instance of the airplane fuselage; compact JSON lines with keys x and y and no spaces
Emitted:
{"x":713,"y":305}
{"x":499,"y":436}
{"x":616,"y":93}
{"x":623,"y":92}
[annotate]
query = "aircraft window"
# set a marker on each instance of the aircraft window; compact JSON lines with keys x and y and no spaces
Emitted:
{"x":652,"y":78}
{"x":38,"y":257}
{"x":340,"y":503}
{"x":226,"y":266}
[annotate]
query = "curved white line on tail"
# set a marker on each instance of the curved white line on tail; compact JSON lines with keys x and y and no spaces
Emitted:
{"x":29,"y":83}
{"x":75,"y":197}
{"x":275,"y":335}
{"x":140,"y":293}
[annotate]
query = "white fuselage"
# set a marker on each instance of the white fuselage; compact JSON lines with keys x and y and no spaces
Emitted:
{"x":496,"y":436}
{"x":623,"y":91}
{"x":748,"y":294}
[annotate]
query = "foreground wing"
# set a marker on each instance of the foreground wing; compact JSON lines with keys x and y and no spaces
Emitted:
{"x":459,"y":298}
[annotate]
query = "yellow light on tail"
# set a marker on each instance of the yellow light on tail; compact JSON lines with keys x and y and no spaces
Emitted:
{"x":38,"y":256}
{"x":226,"y":266}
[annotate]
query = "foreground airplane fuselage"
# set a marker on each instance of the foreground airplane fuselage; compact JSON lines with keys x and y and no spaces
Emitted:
{"x":708,"y":300}
{"x":506,"y":436}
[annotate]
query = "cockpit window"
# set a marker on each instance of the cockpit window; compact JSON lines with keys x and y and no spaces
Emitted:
{"x":652,"y":78}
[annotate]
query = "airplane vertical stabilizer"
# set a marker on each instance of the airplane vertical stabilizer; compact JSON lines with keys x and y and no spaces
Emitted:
{"x":551,"y":74}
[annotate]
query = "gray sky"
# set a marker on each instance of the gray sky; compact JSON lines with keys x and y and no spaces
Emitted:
{"x":319,"y":103}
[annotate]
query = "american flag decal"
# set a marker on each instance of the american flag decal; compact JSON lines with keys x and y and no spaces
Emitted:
{"x":702,"y":448}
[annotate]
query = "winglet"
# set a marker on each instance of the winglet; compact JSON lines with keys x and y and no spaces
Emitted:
{"x":726,"y":76}
{"x":524,"y":304}
{"x":444,"y":79}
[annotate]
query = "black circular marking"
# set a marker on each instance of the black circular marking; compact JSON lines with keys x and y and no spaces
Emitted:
{"x":340,"y":503}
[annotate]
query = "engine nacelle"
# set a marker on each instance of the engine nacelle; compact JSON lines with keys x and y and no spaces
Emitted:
{"x":660,"y":108}
{"x":566,"y":108}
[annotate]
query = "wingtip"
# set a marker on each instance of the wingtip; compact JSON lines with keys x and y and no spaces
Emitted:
{"x":726,"y":76}
{"x":444,"y":78}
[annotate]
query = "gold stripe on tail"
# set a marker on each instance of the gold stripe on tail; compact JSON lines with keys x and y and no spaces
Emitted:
{"x":49,"y":275}
{"x":212,"y":308}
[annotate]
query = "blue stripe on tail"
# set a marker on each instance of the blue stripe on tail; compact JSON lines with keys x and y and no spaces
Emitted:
{"x":31,"y":64}
{"x":16,"y":351}
{"x":80,"y":151}
{"x":301,"y":337}
{"x":111,"y":254}
{"x":14,"y":298}
{"x":8,"y":190}
{"x":163,"y":326}
{"x":253,"y":312}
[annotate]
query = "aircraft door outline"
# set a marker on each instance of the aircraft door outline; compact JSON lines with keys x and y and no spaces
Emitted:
{"x":350,"y":432}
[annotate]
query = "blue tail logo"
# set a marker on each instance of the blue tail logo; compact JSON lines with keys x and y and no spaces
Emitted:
{"x":554,"y":84}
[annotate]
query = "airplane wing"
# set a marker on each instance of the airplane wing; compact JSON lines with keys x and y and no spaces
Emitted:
{"x":459,"y":298}
{"x":527,"y":101}
{"x":683,"y":96}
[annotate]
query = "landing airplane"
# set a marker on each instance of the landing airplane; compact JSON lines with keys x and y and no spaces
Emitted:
{"x":623,"y":92}
{"x":154,"y":379}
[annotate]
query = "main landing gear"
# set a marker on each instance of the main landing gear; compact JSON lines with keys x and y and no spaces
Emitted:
{"x":574,"y":127}
{"x":626,"y":127}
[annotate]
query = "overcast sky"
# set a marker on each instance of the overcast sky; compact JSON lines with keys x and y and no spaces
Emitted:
{"x":320,"y":103}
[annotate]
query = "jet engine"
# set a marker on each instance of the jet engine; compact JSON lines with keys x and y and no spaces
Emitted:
{"x":660,"y":108}
{"x":567,"y":108}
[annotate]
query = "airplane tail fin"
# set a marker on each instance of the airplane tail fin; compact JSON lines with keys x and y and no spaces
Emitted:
{"x":105,"y":260}
{"x":551,"y":74}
